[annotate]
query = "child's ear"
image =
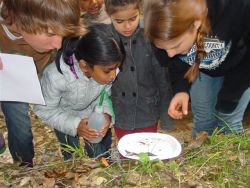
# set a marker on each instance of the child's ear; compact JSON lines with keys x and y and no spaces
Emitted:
{"x":197,"y":24}
{"x":84,"y":66}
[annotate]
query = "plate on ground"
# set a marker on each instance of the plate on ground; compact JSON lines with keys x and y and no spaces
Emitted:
{"x":156,"y":145}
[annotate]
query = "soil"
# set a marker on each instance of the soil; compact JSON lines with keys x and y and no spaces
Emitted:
{"x":182,"y":127}
{"x":47,"y":149}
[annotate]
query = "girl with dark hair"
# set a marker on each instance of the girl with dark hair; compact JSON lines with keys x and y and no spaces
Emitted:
{"x":72,"y":87}
{"x":208,"y":43}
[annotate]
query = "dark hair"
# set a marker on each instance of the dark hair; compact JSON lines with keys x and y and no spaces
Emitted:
{"x":97,"y":47}
{"x":113,"y":5}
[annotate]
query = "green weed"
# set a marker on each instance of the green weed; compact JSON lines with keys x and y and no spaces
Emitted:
{"x":77,"y":152}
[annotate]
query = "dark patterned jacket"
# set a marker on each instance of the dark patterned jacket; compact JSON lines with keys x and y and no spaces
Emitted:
{"x":230,"y":24}
{"x":141,"y":92}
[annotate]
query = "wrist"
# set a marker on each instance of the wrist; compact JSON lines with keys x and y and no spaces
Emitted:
{"x":107,"y":117}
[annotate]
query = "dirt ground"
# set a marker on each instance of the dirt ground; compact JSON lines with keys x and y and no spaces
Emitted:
{"x":44,"y":136}
{"x":48,"y":156}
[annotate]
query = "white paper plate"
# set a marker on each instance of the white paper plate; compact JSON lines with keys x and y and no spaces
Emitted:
{"x":157,"y":145}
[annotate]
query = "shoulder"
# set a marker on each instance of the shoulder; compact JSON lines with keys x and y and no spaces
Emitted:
{"x":217,"y":7}
{"x":51,"y":72}
{"x":103,"y":16}
{"x":102,"y":26}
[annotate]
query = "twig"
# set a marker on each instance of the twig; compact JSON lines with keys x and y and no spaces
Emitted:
{"x":205,"y":163}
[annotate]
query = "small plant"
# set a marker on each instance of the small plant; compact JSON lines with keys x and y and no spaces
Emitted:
{"x":77,"y":152}
{"x":226,"y":125}
{"x":146,"y":164}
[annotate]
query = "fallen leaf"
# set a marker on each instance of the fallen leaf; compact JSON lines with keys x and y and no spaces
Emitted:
{"x":198,"y":140}
{"x":49,"y":182}
{"x":25,"y":181}
{"x":133,"y":178}
{"x":242,"y":159}
{"x":104,"y":162}
{"x":70,"y":175}
{"x":54,"y":173}
{"x":81,"y":169}
{"x":90,"y":163}
{"x":233,"y":157}
{"x":83,"y":180}
{"x":100,"y":180}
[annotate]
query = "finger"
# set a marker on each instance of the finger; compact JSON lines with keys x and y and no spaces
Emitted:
{"x":92,"y":133}
{"x":176,"y":114}
{"x":104,"y":131}
{"x":89,"y":137}
{"x":1,"y":64}
{"x":173,"y":110}
{"x":88,"y":133}
{"x":185,"y":107}
{"x":105,"y":127}
{"x":176,"y":111}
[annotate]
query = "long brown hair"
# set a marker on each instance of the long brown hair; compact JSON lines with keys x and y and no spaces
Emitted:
{"x":36,"y":16}
{"x":168,"y":19}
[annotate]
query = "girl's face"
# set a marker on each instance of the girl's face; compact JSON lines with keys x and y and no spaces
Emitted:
{"x":91,"y":6}
{"x":103,"y":74}
{"x":126,"y":19}
{"x":181,"y":44}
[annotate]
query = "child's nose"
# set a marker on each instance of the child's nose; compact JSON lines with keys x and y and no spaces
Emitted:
{"x":127,"y":24}
{"x":113,"y":75}
{"x":56,"y":42}
{"x":171,"y":53}
{"x":94,"y":2}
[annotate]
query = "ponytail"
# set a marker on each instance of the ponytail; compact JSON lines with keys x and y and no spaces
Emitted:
{"x":66,"y":52}
{"x":193,"y":71}
{"x":168,"y":19}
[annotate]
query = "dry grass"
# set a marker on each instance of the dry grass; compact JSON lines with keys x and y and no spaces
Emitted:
{"x":216,"y":161}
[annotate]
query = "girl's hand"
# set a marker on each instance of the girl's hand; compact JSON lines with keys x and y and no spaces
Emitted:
{"x":1,"y":64}
{"x":179,"y":105}
{"x":84,"y":131}
{"x":106,"y":125}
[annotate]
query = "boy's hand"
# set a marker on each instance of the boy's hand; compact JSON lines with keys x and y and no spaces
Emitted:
{"x":1,"y":64}
{"x":106,"y":125}
{"x":84,"y":131}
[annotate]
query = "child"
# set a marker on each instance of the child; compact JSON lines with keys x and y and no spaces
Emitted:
{"x":72,"y":87}
{"x":141,"y":92}
{"x":211,"y":39}
{"x":33,"y":28}
{"x":93,"y":12}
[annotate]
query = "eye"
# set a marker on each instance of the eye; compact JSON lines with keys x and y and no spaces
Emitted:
{"x":51,"y":34}
{"x":106,"y":71}
{"x":133,"y":19}
{"x":119,"y":21}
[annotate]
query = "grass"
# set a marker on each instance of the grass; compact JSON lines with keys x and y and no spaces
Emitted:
{"x":222,"y":161}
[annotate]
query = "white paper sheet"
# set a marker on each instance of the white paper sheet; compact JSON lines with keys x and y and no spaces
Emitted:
{"x":19,"y":80}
